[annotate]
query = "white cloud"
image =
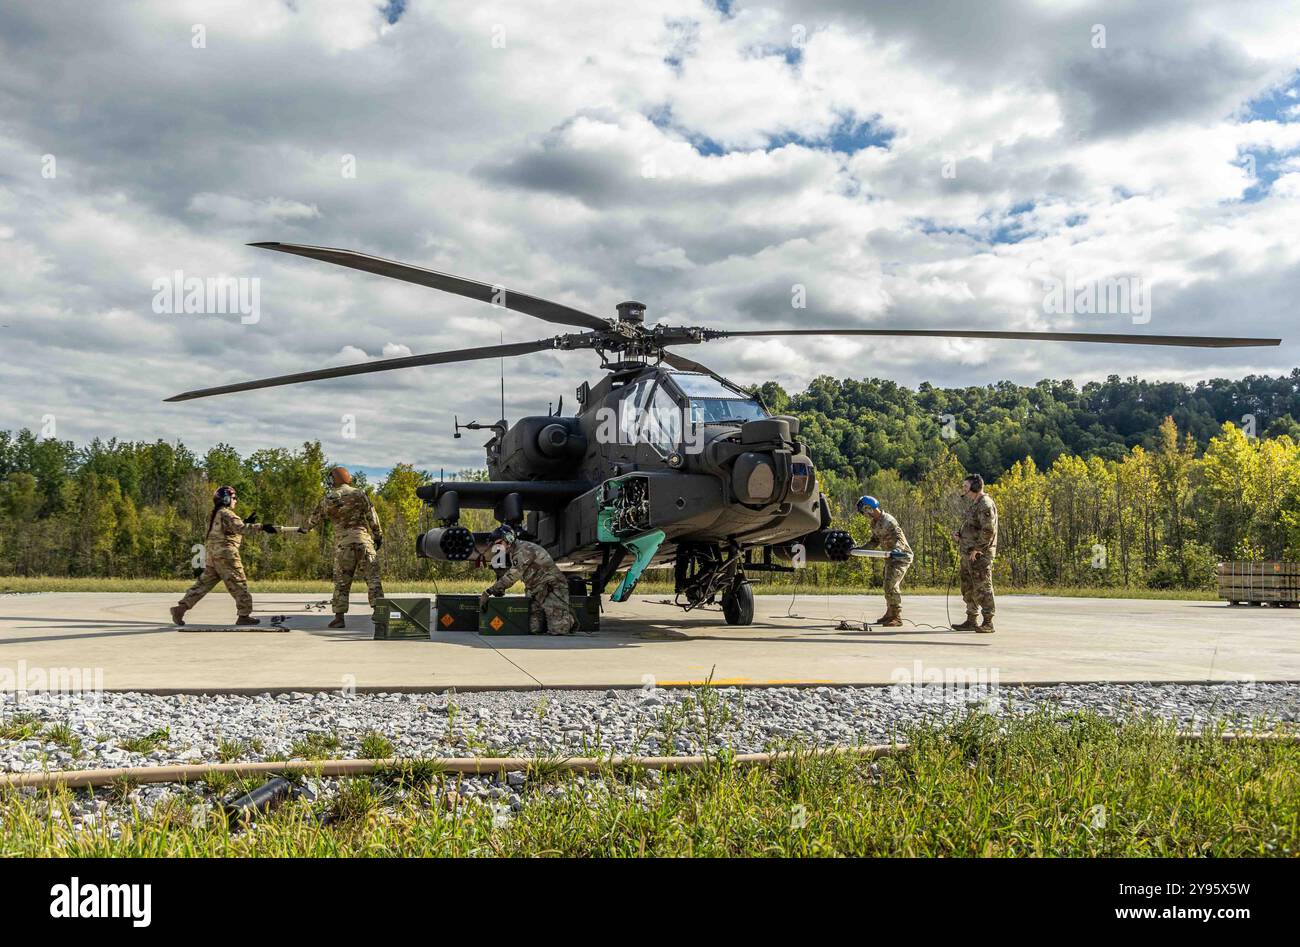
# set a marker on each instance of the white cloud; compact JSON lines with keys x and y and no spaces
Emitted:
{"x":229,"y":209}
{"x":657,"y":152}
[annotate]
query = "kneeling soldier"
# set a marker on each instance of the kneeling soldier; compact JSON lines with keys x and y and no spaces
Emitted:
{"x":221,"y":562}
{"x":887,"y":535}
{"x":357,"y":540}
{"x":543,"y":581}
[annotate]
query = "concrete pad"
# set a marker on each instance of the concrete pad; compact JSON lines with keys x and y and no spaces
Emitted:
{"x":1040,"y":639}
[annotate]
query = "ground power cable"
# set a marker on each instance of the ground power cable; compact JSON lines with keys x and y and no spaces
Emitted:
{"x":488,"y":641}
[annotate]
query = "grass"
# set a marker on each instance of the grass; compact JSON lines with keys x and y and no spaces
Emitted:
{"x":19,"y":726}
{"x":61,"y":734}
{"x":376,"y":746}
{"x":649,"y":586}
{"x":147,"y":743}
{"x":315,"y":746}
{"x":1076,"y":785}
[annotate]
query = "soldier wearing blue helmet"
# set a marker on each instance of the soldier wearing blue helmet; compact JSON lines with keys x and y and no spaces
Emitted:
{"x":886,"y":534}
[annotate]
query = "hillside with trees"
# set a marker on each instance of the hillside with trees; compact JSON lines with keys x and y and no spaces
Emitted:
{"x":1122,"y":483}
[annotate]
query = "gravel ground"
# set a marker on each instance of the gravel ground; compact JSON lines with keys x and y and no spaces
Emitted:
{"x":191,"y":729}
{"x":99,"y":733}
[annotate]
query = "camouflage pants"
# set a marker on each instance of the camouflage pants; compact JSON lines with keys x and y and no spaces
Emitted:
{"x":348,"y":559}
{"x":977,"y":585}
{"x":221,"y":569}
{"x":895,"y":569}
{"x":551,"y":602}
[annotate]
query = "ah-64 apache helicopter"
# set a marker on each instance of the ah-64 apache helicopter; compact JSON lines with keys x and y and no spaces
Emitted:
{"x":665,"y":462}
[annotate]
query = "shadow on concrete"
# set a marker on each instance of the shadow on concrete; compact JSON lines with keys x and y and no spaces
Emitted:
{"x":96,"y":632}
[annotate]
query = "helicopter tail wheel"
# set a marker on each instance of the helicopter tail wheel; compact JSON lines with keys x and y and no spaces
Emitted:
{"x":738,"y":604}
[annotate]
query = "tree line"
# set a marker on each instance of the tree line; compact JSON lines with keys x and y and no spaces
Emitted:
{"x":1122,"y":483}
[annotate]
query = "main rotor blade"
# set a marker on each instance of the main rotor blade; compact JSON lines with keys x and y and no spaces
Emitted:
{"x":682,"y":363}
{"x":382,"y":365}
{"x":483,"y":292}
{"x":1200,"y":341}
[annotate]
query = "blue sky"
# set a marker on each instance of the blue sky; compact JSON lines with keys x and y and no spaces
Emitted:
{"x":912,"y":165}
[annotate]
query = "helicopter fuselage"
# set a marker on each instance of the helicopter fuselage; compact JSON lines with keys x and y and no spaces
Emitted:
{"x":649,"y":449}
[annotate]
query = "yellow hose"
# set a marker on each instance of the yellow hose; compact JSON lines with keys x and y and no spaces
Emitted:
{"x":80,"y":778}
{"x":473,"y":765}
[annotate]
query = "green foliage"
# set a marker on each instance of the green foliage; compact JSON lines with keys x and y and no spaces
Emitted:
{"x":1043,"y":784}
{"x":1151,"y":480}
{"x":315,"y":746}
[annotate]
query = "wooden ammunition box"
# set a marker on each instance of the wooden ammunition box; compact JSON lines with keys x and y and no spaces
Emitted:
{"x":1260,"y":583}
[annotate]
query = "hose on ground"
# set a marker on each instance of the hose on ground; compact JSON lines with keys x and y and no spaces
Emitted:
{"x":479,"y":765}
{"x":469,"y":765}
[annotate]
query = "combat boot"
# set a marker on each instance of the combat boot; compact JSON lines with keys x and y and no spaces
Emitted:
{"x":968,"y":625}
{"x":986,"y":628}
{"x":885,"y":617}
{"x":337,"y":622}
{"x":247,"y":620}
{"x":893,"y":619}
{"x":177,"y":612}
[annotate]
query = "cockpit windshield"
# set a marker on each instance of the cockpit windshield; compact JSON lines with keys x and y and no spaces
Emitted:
{"x":713,"y":402}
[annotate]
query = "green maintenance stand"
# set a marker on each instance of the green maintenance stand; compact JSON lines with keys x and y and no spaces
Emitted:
{"x":642,"y":548}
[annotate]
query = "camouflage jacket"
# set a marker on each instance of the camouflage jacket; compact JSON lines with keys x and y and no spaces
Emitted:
{"x":533,"y":564}
{"x":350,"y":511}
{"x":226,"y":533}
{"x":979,"y":527}
{"x":886,"y":534}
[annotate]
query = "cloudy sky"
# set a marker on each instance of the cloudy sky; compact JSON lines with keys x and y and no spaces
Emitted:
{"x":929,"y":164}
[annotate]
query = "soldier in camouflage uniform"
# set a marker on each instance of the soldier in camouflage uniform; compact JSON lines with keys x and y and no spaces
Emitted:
{"x":221,"y":562}
{"x":887,"y":535}
{"x":977,"y":546}
{"x":357,"y":540}
{"x":543,"y":581}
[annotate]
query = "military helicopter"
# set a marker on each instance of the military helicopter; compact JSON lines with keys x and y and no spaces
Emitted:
{"x":666,"y":462}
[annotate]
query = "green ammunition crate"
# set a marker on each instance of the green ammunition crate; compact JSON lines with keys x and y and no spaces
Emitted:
{"x":508,"y":615}
{"x":505,"y":615}
{"x":587,"y":609}
{"x":401,"y":618}
{"x":456,"y":613}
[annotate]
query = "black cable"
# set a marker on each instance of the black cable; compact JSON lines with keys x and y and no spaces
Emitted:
{"x":866,"y":624}
{"x":488,"y":641}
{"x":947,"y":612}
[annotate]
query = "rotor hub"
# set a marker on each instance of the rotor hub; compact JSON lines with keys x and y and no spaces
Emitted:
{"x":630,"y":311}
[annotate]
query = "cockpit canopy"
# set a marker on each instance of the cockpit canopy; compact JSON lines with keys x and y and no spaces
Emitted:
{"x":662,"y":408}
{"x":713,"y":402}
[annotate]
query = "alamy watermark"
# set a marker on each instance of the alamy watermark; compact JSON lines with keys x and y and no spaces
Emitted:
{"x":669,"y":427}
{"x":214,"y":295}
{"x":22,"y":679}
{"x":945,"y":685}
{"x":1070,"y":295}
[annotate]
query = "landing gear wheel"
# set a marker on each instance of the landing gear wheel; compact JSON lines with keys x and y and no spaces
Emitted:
{"x":738,"y":605}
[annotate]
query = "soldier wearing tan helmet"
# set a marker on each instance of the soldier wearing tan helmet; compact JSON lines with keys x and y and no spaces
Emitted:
{"x":221,"y":562}
{"x":357,"y":539}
